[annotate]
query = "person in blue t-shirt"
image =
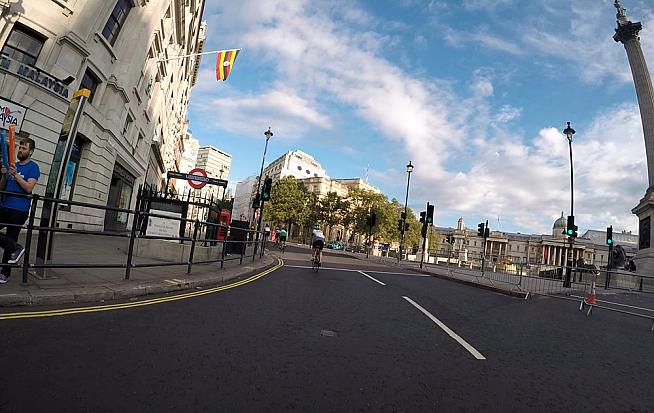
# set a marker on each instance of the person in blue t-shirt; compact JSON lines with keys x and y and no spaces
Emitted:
{"x":19,"y":179}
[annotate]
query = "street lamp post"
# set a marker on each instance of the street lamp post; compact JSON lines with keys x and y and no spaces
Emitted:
{"x":268,"y":134}
{"x":222,"y":169}
{"x":568,"y":133}
{"x":409,"y":169}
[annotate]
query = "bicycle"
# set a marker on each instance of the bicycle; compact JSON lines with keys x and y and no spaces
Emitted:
{"x":282,"y":246}
{"x":315,"y":260}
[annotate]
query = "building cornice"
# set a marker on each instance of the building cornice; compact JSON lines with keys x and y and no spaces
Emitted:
{"x":77,"y":42}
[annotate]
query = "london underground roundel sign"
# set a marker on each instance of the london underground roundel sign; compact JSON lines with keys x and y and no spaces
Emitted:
{"x":199,"y":183}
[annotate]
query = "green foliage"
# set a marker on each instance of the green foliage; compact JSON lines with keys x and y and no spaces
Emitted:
{"x":289,"y":202}
{"x":435,"y":241}
{"x":331,"y":210}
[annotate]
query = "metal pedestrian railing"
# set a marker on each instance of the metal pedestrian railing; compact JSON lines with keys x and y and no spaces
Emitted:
{"x":577,"y":283}
{"x":247,"y":239}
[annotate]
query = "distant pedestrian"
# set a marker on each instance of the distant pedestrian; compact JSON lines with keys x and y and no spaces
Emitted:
{"x":19,"y":179}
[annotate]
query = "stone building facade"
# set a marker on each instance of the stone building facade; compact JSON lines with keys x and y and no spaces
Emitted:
{"x":135,"y":118}
{"x":216,"y":164}
{"x":294,"y":163}
{"x":519,"y":248}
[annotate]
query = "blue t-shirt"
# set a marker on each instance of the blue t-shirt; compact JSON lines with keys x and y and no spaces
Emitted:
{"x":27,"y":171}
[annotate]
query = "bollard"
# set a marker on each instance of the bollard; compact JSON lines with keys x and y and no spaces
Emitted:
{"x":222,"y":255}
{"x":195,"y":236}
{"x":130,"y":250}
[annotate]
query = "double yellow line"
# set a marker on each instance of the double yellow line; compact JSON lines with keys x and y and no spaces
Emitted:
{"x":113,"y":307}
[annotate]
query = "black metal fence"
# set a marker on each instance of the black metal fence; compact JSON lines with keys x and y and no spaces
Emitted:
{"x":236,"y":240}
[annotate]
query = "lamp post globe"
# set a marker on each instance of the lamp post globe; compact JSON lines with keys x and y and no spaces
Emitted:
{"x":268,"y":133}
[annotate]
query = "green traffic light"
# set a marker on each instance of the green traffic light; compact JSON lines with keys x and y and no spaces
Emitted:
{"x":569,"y":232}
{"x":609,"y":241}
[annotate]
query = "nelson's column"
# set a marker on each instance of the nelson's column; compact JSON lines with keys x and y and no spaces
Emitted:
{"x":627,"y":34}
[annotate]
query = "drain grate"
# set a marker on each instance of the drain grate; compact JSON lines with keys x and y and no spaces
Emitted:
{"x":327,"y":333}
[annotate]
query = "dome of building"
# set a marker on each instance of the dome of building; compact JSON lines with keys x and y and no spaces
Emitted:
{"x":559,"y":227}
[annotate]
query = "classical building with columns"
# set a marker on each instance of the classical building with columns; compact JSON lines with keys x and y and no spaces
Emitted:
{"x":134,"y":121}
{"x":504,"y":247}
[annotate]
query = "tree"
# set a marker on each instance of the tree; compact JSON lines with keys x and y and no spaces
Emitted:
{"x":435,"y":241}
{"x":331,"y":210}
{"x":288,"y":202}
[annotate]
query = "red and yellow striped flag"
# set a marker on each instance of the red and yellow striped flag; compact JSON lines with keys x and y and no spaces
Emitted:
{"x":224,"y":63}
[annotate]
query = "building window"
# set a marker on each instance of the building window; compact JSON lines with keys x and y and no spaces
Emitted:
{"x":128,"y":125}
{"x":308,"y":172}
{"x":23,"y":45}
{"x":116,"y":20}
{"x":90,"y":82}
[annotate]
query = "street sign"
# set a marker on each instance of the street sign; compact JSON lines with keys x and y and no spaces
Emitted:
{"x":197,"y":178}
{"x":193,"y":181}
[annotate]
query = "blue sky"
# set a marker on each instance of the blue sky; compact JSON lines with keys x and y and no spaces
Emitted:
{"x":474,"y":92}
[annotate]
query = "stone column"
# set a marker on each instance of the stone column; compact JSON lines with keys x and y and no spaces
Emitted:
{"x":627,"y":34}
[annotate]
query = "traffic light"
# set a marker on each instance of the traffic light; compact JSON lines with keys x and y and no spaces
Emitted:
{"x":430,"y":213}
{"x":373,"y":219}
{"x":423,"y":231}
{"x":609,"y":235}
{"x":256,"y":202}
{"x":480,"y":230}
{"x":571,"y":230}
{"x":406,"y":226}
{"x":400,"y":225}
{"x":267,"y":189}
{"x":422,"y":216}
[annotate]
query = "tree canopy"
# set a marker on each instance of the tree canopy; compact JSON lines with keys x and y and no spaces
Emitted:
{"x":292,"y":203}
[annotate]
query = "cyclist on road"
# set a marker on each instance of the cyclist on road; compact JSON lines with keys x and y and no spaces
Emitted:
{"x":317,"y":244}
{"x":277,"y":231}
{"x":282,"y":237}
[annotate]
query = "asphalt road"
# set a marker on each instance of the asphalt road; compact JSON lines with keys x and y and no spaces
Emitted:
{"x":353,"y":337}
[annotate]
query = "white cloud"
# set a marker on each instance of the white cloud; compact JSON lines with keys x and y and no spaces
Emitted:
{"x":529,"y":185}
{"x":485,"y":4}
{"x":482,"y":86}
{"x":507,"y":113}
{"x":316,"y":59}
{"x":480,"y":38}
{"x":305,"y":46}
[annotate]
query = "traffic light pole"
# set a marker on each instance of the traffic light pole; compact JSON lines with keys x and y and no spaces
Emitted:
{"x":483,"y":254}
{"x":424,"y":245}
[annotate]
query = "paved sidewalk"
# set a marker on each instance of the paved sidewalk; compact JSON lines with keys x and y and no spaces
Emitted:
{"x":77,"y":285}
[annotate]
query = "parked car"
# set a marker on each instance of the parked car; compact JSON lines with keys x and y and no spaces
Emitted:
{"x":336,"y":245}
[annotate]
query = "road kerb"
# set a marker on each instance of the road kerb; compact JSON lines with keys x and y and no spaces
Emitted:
{"x":128,"y":290}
